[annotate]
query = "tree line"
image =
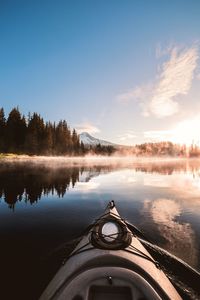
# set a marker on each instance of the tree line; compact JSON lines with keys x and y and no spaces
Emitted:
{"x":166,"y":148}
{"x":34,"y":136}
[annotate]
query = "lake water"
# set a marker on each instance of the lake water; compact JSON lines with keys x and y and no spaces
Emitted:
{"x":47,"y":202}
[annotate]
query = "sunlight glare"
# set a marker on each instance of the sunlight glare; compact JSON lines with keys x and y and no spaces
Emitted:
{"x":187,"y":132}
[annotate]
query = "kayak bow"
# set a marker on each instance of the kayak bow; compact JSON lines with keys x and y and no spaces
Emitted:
{"x":110,"y":262}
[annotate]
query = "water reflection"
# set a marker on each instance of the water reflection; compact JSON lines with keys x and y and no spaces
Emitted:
{"x":29,"y":182}
{"x":179,"y":238}
{"x":23,"y":182}
{"x":162,"y":198}
{"x":167,"y":167}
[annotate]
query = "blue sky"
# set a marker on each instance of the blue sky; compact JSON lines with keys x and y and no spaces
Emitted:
{"x":126,"y":71}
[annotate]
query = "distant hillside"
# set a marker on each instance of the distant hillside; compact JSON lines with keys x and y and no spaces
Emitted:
{"x":164,"y":148}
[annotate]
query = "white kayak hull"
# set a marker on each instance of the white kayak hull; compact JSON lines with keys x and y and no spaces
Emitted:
{"x":96,"y":273}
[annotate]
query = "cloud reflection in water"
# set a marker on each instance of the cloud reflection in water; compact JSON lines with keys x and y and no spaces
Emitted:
{"x":179,"y":237}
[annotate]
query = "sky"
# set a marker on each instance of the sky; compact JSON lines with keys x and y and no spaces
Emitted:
{"x":124,"y":71}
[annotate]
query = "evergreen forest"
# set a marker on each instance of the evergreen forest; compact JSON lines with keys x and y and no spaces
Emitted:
{"x":34,"y":136}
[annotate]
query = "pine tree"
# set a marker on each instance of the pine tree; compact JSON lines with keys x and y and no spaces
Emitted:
{"x":2,"y":130}
{"x":35,"y":143}
{"x":60,"y":143}
{"x":83,"y":150}
{"x":48,"y":139}
{"x":68,"y":144}
{"x":15,"y":131}
{"x":75,"y":142}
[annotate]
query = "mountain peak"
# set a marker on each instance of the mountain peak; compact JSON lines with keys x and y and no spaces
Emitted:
{"x":85,"y":134}
{"x":89,"y":140}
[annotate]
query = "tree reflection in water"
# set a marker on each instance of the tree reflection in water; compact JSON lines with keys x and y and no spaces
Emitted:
{"x":157,"y":203}
{"x":26,"y":181}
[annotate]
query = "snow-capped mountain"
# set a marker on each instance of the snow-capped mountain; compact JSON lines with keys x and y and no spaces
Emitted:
{"x":89,"y":140}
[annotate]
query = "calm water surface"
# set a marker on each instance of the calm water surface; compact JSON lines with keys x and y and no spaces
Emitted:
{"x":46,"y":203}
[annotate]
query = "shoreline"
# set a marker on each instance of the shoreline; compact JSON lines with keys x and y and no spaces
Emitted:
{"x":95,"y":158}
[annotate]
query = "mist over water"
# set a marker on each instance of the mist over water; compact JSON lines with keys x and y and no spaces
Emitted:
{"x":46,"y":202}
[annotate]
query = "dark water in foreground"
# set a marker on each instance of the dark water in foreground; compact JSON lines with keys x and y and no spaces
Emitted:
{"x":43,"y":205}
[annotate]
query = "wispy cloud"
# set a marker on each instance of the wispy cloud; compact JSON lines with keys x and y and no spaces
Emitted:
{"x":162,"y":51}
{"x":174,"y":78}
{"x":138,"y":93}
{"x":87,"y":127}
{"x":127,"y":136}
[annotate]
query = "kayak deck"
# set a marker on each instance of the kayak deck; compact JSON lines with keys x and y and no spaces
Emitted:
{"x":110,"y":262}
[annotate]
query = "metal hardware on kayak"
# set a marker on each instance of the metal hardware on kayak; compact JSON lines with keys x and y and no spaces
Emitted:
{"x":110,"y":231}
{"x":110,"y":262}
